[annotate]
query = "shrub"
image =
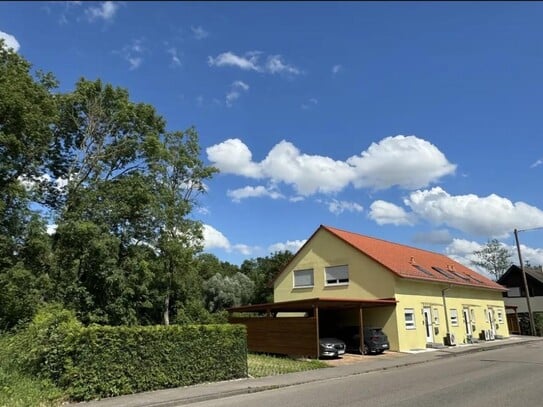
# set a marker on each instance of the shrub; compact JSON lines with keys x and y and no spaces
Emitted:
{"x":119,"y":360}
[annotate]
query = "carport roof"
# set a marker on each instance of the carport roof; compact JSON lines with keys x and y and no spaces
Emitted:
{"x":310,"y":303}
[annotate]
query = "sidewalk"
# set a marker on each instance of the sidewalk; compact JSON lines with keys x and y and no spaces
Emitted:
{"x":211,"y":391}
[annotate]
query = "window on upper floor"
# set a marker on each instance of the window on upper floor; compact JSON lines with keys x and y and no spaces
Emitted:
{"x":303,"y":278}
{"x":513,"y":292}
{"x":337,"y":275}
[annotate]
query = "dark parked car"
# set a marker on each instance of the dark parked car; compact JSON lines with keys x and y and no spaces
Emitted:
{"x":331,"y":347}
{"x":375,"y":340}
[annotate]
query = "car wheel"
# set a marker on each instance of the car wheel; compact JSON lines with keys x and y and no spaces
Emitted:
{"x":380,"y":351}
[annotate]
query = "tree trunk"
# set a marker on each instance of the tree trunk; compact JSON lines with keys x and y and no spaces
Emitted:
{"x":166,"y":315}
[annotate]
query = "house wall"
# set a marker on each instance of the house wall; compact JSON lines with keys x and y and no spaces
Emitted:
{"x":367,"y":279}
{"x":417,"y":295}
{"x":535,"y":302}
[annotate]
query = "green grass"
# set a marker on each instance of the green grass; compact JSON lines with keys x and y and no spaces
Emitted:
{"x":18,"y":390}
{"x":265,"y":365}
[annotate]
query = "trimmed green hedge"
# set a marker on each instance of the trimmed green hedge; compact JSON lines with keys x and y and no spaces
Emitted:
{"x":109,"y":361}
{"x":102,"y":361}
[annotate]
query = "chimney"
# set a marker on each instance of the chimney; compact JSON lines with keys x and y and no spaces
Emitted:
{"x":412,"y":260}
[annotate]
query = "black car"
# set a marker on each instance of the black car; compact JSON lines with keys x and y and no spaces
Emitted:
{"x":331,"y":347}
{"x":375,"y":340}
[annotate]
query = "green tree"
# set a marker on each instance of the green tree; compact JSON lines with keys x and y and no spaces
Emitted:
{"x":493,"y":257}
{"x":179,"y":176}
{"x":223,"y":291}
{"x":262,"y":270}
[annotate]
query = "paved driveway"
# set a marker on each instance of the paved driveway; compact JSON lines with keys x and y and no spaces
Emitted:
{"x":352,"y":358}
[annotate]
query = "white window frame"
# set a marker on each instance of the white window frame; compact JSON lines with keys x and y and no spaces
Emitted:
{"x":409,"y":324}
{"x":500,"y":316}
{"x":435,"y":314}
{"x":454,"y":316}
{"x":472,"y":315}
{"x":300,"y":272}
{"x":335,"y":282}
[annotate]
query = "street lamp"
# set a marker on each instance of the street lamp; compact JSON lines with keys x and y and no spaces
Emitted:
{"x":530,"y":313}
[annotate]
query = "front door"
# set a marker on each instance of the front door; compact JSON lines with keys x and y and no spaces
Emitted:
{"x":467,"y":322}
{"x":428,"y":324}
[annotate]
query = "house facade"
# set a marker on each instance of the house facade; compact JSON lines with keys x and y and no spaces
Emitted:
{"x":515,"y":296}
{"x":437,"y":300}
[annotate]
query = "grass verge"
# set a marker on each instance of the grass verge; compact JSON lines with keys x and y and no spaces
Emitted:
{"x":266,"y":365}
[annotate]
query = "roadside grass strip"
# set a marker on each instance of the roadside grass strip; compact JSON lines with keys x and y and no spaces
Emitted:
{"x":267,"y":365}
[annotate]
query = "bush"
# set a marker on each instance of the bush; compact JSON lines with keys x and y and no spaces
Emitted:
{"x":120,"y":360}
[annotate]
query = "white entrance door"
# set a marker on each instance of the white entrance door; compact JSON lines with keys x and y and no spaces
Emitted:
{"x":428,"y":324}
{"x":492,"y":322}
{"x":467,"y":321}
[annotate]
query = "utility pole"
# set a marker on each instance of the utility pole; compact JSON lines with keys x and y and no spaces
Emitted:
{"x":532,"y":323}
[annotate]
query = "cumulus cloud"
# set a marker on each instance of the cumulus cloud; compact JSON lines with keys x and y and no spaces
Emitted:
{"x":491,"y":216}
{"x":537,"y":163}
{"x":214,"y":239}
{"x":338,"y":207}
{"x":402,"y":161}
{"x":235,"y":92}
{"x":105,"y":11}
{"x":199,"y":33}
{"x":386,"y":213}
{"x":274,"y":64}
{"x":253,"y":192}
{"x":290,"y":245}
{"x":405,"y":161}
{"x":10,"y":41}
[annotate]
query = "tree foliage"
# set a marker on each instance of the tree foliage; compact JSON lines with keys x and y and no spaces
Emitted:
{"x":493,"y":257}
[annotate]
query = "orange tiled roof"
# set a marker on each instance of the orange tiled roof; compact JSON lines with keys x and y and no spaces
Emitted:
{"x":413,"y":263}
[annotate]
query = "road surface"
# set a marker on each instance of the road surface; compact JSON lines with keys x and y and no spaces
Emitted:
{"x":505,"y":377}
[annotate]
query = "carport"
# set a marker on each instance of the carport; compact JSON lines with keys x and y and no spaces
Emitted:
{"x":294,"y":327}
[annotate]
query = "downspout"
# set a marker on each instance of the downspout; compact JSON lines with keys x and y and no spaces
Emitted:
{"x":445,"y":307}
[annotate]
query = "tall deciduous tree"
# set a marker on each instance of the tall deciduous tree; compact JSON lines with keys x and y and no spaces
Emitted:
{"x":179,"y":175}
{"x":493,"y":257}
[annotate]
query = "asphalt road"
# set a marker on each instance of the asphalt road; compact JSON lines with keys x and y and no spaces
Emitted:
{"x":510,"y":376}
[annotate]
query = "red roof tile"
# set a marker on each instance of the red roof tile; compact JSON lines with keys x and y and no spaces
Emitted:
{"x":413,"y":263}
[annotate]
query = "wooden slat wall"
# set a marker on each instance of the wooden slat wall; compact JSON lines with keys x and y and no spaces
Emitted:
{"x":287,"y":336}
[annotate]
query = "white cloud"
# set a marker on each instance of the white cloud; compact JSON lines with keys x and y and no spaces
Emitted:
{"x":338,"y":207}
{"x":336,"y":69}
{"x":199,"y":33}
{"x":405,"y":161}
{"x":253,"y":192}
{"x":402,"y":161}
{"x":133,"y":54}
{"x":537,"y":163}
{"x":385,"y":213}
{"x":214,"y":239}
{"x":175,"y":58}
{"x":234,"y":157}
{"x":290,"y":245}
{"x":105,"y":11}
{"x":491,"y":216}
{"x":10,"y":41}
{"x":234,"y":93}
{"x":250,"y":62}
{"x":51,"y":229}
{"x":275,"y":64}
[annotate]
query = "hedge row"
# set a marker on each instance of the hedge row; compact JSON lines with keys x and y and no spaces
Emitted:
{"x":103,"y":361}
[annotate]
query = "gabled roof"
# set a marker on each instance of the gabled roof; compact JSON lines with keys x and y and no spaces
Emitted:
{"x":410,"y":262}
{"x":534,"y":272}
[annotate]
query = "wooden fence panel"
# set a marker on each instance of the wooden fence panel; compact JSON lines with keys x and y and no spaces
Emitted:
{"x":294,"y":336}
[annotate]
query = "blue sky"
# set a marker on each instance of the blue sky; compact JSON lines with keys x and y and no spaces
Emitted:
{"x":418,"y":123}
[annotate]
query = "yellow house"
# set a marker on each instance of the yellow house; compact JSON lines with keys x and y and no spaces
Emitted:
{"x":438,"y":300}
